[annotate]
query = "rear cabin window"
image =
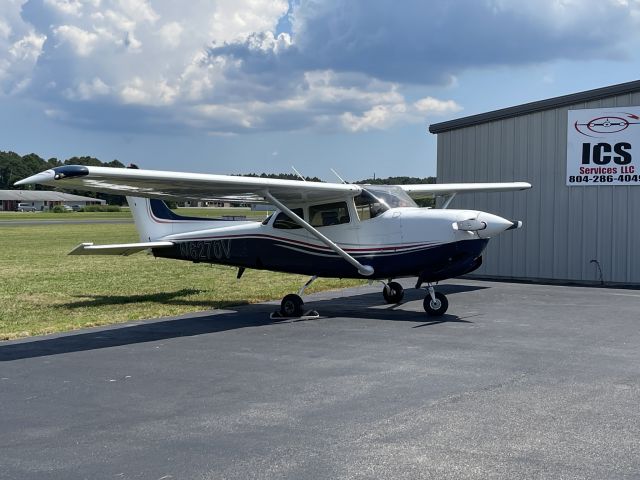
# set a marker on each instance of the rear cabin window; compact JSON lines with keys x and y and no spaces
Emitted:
{"x":369,"y":206}
{"x":283,"y":221}
{"x":329,"y":214}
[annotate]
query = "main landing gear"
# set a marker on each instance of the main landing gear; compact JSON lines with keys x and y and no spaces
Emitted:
{"x":393,"y":292}
{"x":292,"y":305}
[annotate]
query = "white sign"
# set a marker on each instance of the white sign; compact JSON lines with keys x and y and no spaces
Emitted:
{"x":603,"y":147}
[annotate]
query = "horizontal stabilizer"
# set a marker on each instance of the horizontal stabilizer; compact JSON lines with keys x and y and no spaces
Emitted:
{"x":117,"y":248}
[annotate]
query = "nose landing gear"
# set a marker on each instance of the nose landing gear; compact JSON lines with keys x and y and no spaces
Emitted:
{"x":435,"y":303}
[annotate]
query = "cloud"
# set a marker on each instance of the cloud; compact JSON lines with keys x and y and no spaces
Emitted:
{"x":170,"y":34}
{"x":421,"y":42}
{"x":226,"y":66}
{"x":81,"y":41}
{"x":321,"y":101}
{"x":20,"y":47}
{"x":88,"y":90}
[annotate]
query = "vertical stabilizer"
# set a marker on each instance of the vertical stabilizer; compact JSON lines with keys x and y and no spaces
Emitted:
{"x":149,"y":227}
{"x":155,"y":220}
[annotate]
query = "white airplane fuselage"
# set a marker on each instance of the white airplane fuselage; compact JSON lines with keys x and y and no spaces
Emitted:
{"x":398,"y":243}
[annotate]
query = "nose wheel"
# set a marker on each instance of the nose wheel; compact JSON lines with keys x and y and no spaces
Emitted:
{"x":435,"y":303}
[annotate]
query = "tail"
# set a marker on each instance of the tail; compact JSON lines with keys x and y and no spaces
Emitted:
{"x":154,"y":220}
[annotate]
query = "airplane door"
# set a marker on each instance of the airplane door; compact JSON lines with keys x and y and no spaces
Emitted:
{"x":385,"y":229}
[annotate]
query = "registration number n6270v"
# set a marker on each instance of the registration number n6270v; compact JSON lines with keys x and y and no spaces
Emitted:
{"x":206,"y":249}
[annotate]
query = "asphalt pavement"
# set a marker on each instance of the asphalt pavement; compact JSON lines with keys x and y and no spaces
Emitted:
{"x":516,"y":381}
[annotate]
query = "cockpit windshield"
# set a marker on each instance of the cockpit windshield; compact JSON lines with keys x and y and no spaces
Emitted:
{"x":392,"y":195}
{"x":375,"y":200}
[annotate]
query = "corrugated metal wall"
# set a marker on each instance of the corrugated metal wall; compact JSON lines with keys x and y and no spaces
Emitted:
{"x":564,"y":227}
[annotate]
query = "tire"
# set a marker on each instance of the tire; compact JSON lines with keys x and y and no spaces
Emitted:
{"x":291,"y":306}
{"x":393,"y":293}
{"x":439,"y":308}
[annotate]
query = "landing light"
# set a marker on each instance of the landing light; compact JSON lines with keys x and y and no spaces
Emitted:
{"x":470,"y":225}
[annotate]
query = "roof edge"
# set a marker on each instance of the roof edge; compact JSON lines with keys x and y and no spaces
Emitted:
{"x":532,"y":107}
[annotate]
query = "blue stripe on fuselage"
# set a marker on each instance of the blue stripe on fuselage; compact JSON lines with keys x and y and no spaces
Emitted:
{"x":434,"y":263}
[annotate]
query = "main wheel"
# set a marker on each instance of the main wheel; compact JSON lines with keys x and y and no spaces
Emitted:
{"x":393,"y":292}
{"x":291,"y":306}
{"x":437,"y":308}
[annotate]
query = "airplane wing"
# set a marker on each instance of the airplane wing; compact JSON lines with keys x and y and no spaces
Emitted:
{"x":188,"y":186}
{"x":447,"y":189}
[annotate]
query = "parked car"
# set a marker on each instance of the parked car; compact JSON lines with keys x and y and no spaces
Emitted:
{"x":25,"y":207}
{"x":76,"y":208}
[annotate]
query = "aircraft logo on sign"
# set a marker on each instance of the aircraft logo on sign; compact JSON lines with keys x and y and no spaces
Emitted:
{"x":602,"y":126}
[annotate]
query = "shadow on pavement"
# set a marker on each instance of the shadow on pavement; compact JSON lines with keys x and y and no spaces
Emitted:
{"x":353,"y":306}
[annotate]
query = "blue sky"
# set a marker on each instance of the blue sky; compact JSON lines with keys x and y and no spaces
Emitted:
{"x":237,"y":86}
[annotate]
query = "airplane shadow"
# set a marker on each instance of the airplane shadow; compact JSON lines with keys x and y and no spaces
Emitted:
{"x":367,"y":305}
{"x":167,"y":298}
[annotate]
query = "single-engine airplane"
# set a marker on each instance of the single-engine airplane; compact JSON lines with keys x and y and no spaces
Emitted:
{"x":338,"y":230}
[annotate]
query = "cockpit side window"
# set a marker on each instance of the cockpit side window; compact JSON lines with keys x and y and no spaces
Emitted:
{"x":329,"y":214}
{"x":283,"y":221}
{"x":369,"y":206}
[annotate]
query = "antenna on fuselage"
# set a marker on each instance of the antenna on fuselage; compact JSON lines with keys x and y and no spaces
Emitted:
{"x":336,"y":174}
{"x":298,"y":173}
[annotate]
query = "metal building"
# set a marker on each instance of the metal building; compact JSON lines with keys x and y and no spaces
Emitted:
{"x":572,"y":233}
{"x":39,"y":200}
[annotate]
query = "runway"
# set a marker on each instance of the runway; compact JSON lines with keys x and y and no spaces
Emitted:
{"x":517,"y":381}
{"x":21,"y":223}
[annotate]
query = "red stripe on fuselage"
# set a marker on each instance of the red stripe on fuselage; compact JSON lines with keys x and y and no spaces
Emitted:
{"x":310,"y":245}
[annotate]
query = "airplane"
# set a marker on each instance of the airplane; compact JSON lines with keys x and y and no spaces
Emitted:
{"x":340,"y":230}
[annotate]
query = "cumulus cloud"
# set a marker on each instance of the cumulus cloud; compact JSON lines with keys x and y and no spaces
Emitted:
{"x":170,"y":34}
{"x":81,"y":41}
{"x":224,"y":67}
{"x":20,"y":47}
{"x":320,"y":100}
{"x":428,"y":42}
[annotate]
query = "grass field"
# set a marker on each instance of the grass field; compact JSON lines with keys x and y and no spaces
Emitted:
{"x":125,"y":214}
{"x":42,"y":290}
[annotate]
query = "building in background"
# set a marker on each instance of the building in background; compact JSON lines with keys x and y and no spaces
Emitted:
{"x":581,"y":153}
{"x":40,"y":200}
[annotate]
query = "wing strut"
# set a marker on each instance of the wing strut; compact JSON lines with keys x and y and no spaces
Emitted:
{"x":448,"y":199}
{"x":365,"y":270}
